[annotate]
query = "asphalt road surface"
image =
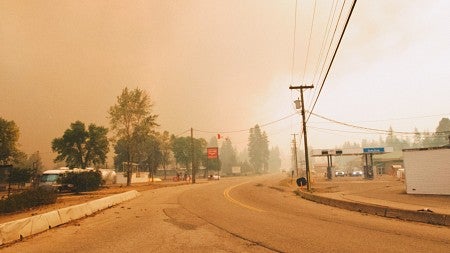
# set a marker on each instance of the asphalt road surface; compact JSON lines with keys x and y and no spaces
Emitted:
{"x":244,"y":214}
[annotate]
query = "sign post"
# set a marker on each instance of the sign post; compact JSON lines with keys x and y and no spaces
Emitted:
{"x":213,"y":153}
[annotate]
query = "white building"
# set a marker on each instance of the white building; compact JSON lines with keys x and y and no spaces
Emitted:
{"x":427,"y":170}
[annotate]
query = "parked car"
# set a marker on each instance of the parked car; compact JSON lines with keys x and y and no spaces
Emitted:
{"x":214,"y":177}
{"x":357,"y":173}
{"x":339,"y":173}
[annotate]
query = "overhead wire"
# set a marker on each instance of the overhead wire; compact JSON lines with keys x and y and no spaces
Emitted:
{"x":332,"y":59}
{"x":331,"y":16}
{"x":303,"y":130}
{"x":367,"y":130}
{"x":294,"y":42}
{"x":330,"y":20}
{"x":404,"y":118}
{"x":309,"y":42}
{"x":328,"y":51}
{"x":359,"y":127}
{"x":248,"y":129}
{"x":182,"y":133}
{"x":344,"y":131}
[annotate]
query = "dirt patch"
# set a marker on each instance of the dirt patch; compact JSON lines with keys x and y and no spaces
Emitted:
{"x":328,"y":189}
{"x":70,"y":199}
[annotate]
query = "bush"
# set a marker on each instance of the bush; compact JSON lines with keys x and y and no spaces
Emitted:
{"x":20,"y":176}
{"x":83,"y":181}
{"x":28,"y":199}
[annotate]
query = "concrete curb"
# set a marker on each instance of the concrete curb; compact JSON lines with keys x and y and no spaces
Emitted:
{"x":384,"y":211}
{"x":16,"y":230}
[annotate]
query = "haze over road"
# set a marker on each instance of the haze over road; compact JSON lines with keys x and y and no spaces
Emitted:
{"x":222,"y":66}
{"x":243,"y":214}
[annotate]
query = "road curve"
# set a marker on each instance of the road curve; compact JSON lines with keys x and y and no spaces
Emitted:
{"x":271,"y":216}
{"x":234,"y":215}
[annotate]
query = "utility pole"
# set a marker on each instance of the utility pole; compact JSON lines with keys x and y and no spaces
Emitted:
{"x":295,"y":154}
{"x":305,"y":138}
{"x":192,"y":155}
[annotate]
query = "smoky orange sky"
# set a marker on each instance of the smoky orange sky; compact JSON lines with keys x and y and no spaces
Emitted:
{"x":223,"y":66}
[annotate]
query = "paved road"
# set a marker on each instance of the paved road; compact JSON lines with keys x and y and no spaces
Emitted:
{"x":235,"y":215}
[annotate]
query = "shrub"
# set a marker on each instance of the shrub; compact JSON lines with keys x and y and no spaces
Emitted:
{"x":28,"y":199}
{"x":20,"y":176}
{"x":83,"y":181}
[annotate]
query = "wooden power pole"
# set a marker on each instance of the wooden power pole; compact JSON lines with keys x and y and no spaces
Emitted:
{"x":305,"y":136}
{"x":192,"y":155}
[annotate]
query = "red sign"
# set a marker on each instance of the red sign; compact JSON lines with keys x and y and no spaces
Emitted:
{"x":213,"y":153}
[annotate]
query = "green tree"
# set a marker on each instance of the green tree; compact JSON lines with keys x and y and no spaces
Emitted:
{"x":181,"y":147}
{"x":258,"y":149}
{"x":9,"y":135}
{"x":442,"y":133}
{"x":213,"y":142}
{"x":81,"y":147}
{"x":34,"y":161}
{"x":131,"y":118}
{"x":182,"y":150}
{"x":396,"y":143}
{"x":199,"y":153}
{"x":417,"y":143}
{"x":20,"y":176}
{"x":274,"y":159}
{"x":242,"y":155}
{"x":427,"y":139}
{"x":153,"y":154}
{"x":120,"y":157}
{"x":20,"y":160}
{"x":245,"y":167}
{"x":166,"y":151}
{"x":227,"y":156}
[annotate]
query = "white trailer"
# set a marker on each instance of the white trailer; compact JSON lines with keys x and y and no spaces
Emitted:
{"x":427,"y":171}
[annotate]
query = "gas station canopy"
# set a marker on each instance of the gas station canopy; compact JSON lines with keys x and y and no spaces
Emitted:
{"x":351,"y":151}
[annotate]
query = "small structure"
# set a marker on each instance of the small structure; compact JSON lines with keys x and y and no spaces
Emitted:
{"x":137,"y":176}
{"x":427,"y":170}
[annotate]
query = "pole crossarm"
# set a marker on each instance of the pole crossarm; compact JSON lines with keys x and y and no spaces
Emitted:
{"x":301,"y":87}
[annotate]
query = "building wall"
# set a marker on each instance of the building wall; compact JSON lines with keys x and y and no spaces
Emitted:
{"x":427,"y":171}
{"x":140,"y":177}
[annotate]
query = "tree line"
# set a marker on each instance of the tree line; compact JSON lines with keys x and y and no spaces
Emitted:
{"x":136,"y":142}
{"x":399,"y":141}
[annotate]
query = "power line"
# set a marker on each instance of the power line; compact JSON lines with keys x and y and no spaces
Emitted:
{"x":329,"y":46}
{"x":331,"y":16}
{"x":366,"y":128}
{"x":247,"y":129}
{"x":309,"y":42}
{"x":293,"y":43}
{"x":334,"y":55}
{"x":354,"y":126}
{"x":392,"y":119}
{"x":183,"y":132}
{"x":344,"y":131}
